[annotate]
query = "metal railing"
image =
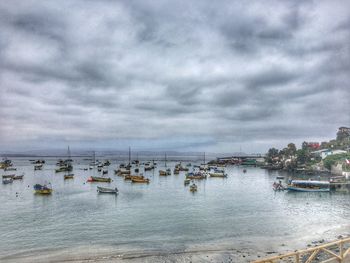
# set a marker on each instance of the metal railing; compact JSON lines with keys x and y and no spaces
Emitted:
{"x":336,"y":251}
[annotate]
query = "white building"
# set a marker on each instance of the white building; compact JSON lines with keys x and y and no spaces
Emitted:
{"x":326,"y":152}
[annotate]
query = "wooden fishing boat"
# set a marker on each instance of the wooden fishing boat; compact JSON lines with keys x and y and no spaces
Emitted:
{"x":68,"y":176}
{"x":122,"y":172}
{"x":18,"y":177}
{"x":10,"y":169}
{"x":106,"y":163}
{"x":105,"y":172}
{"x":187,"y":181}
{"x":140,"y":180}
{"x":309,"y":186}
{"x":67,"y":168}
{"x":193,"y":188}
{"x":104,"y":190}
{"x":38,"y":167}
{"x":218,"y":174}
{"x":162,"y":173}
{"x":6,"y":176}
{"x":168,"y":171}
{"x":184,"y":169}
{"x":99,"y":179}
{"x":196,"y":176}
{"x":129,"y":177}
{"x":42,"y":189}
{"x":176,"y":171}
{"x":149,"y":168}
{"x":7,"y":181}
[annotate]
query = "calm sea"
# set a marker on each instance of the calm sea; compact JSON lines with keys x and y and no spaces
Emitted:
{"x":163,"y":215}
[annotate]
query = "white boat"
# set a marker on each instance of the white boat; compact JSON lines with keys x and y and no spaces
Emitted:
{"x":309,"y":186}
{"x":105,"y":190}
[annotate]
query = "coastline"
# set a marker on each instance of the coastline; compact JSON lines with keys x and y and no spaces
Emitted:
{"x":241,"y":250}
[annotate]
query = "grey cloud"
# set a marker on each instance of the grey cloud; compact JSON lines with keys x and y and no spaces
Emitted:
{"x":225,"y":73}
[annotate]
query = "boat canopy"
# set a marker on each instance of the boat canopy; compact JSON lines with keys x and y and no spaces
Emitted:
{"x":309,"y":182}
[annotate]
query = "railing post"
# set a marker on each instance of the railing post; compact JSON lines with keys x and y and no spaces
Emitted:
{"x":341,"y":251}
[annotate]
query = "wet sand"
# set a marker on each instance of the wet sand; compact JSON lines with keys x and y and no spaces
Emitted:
{"x":242,"y":251}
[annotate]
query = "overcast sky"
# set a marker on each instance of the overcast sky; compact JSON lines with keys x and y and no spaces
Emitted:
{"x":181,"y":75}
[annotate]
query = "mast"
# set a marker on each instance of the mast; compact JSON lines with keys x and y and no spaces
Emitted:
{"x":69,"y":157}
{"x":165,"y":159}
{"x":129,"y":156}
{"x":204,"y":157}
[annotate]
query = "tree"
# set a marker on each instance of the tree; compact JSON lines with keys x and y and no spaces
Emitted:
{"x":291,"y":149}
{"x":304,"y":145}
{"x":302,"y":156}
{"x":271,"y":154}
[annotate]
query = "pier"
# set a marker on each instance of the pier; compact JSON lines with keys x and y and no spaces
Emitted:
{"x":337,"y":251}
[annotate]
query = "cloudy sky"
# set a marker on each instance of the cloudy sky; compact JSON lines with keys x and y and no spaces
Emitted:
{"x":181,"y":75}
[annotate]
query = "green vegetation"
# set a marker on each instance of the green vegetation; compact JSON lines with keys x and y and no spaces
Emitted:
{"x":307,"y":157}
{"x":334,"y":159}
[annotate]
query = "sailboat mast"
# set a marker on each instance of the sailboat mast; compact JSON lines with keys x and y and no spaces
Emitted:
{"x":165,"y":159}
{"x":129,"y":156}
{"x":69,"y":157}
{"x":204,"y":157}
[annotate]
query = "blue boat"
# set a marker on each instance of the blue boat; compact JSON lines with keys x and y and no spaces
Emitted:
{"x":309,"y":186}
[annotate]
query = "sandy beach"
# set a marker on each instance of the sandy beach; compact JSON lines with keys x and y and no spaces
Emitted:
{"x":242,"y":251}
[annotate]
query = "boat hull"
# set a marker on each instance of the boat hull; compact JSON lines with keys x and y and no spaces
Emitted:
{"x":104,"y":190}
{"x":220,"y":175}
{"x":100,"y":179}
{"x":43,"y":192}
{"x":299,"y":189}
{"x":135,"y":180}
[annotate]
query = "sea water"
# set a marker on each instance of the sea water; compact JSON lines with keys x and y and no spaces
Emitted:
{"x":162,"y":215}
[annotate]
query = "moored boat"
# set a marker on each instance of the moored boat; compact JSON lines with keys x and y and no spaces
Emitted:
{"x":309,"y":186}
{"x":140,"y":180}
{"x":42,"y":189}
{"x":7,"y":181}
{"x":162,"y":173}
{"x":99,"y":179}
{"x":10,"y":169}
{"x":129,"y":177}
{"x":187,"y":181}
{"x":149,"y":167}
{"x":6,"y":176}
{"x":67,"y":168}
{"x":68,"y":176}
{"x":278,"y":186}
{"x":104,"y":190}
{"x":38,"y":167}
{"x":122,"y":172}
{"x":221,"y":175}
{"x":193,"y":188}
{"x":196,"y":176}
{"x":18,"y":177}
{"x":218,"y":173}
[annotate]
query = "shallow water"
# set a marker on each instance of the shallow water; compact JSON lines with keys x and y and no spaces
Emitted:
{"x":162,"y":215}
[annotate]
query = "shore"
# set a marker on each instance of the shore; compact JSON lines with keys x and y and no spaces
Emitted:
{"x":240,"y":251}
